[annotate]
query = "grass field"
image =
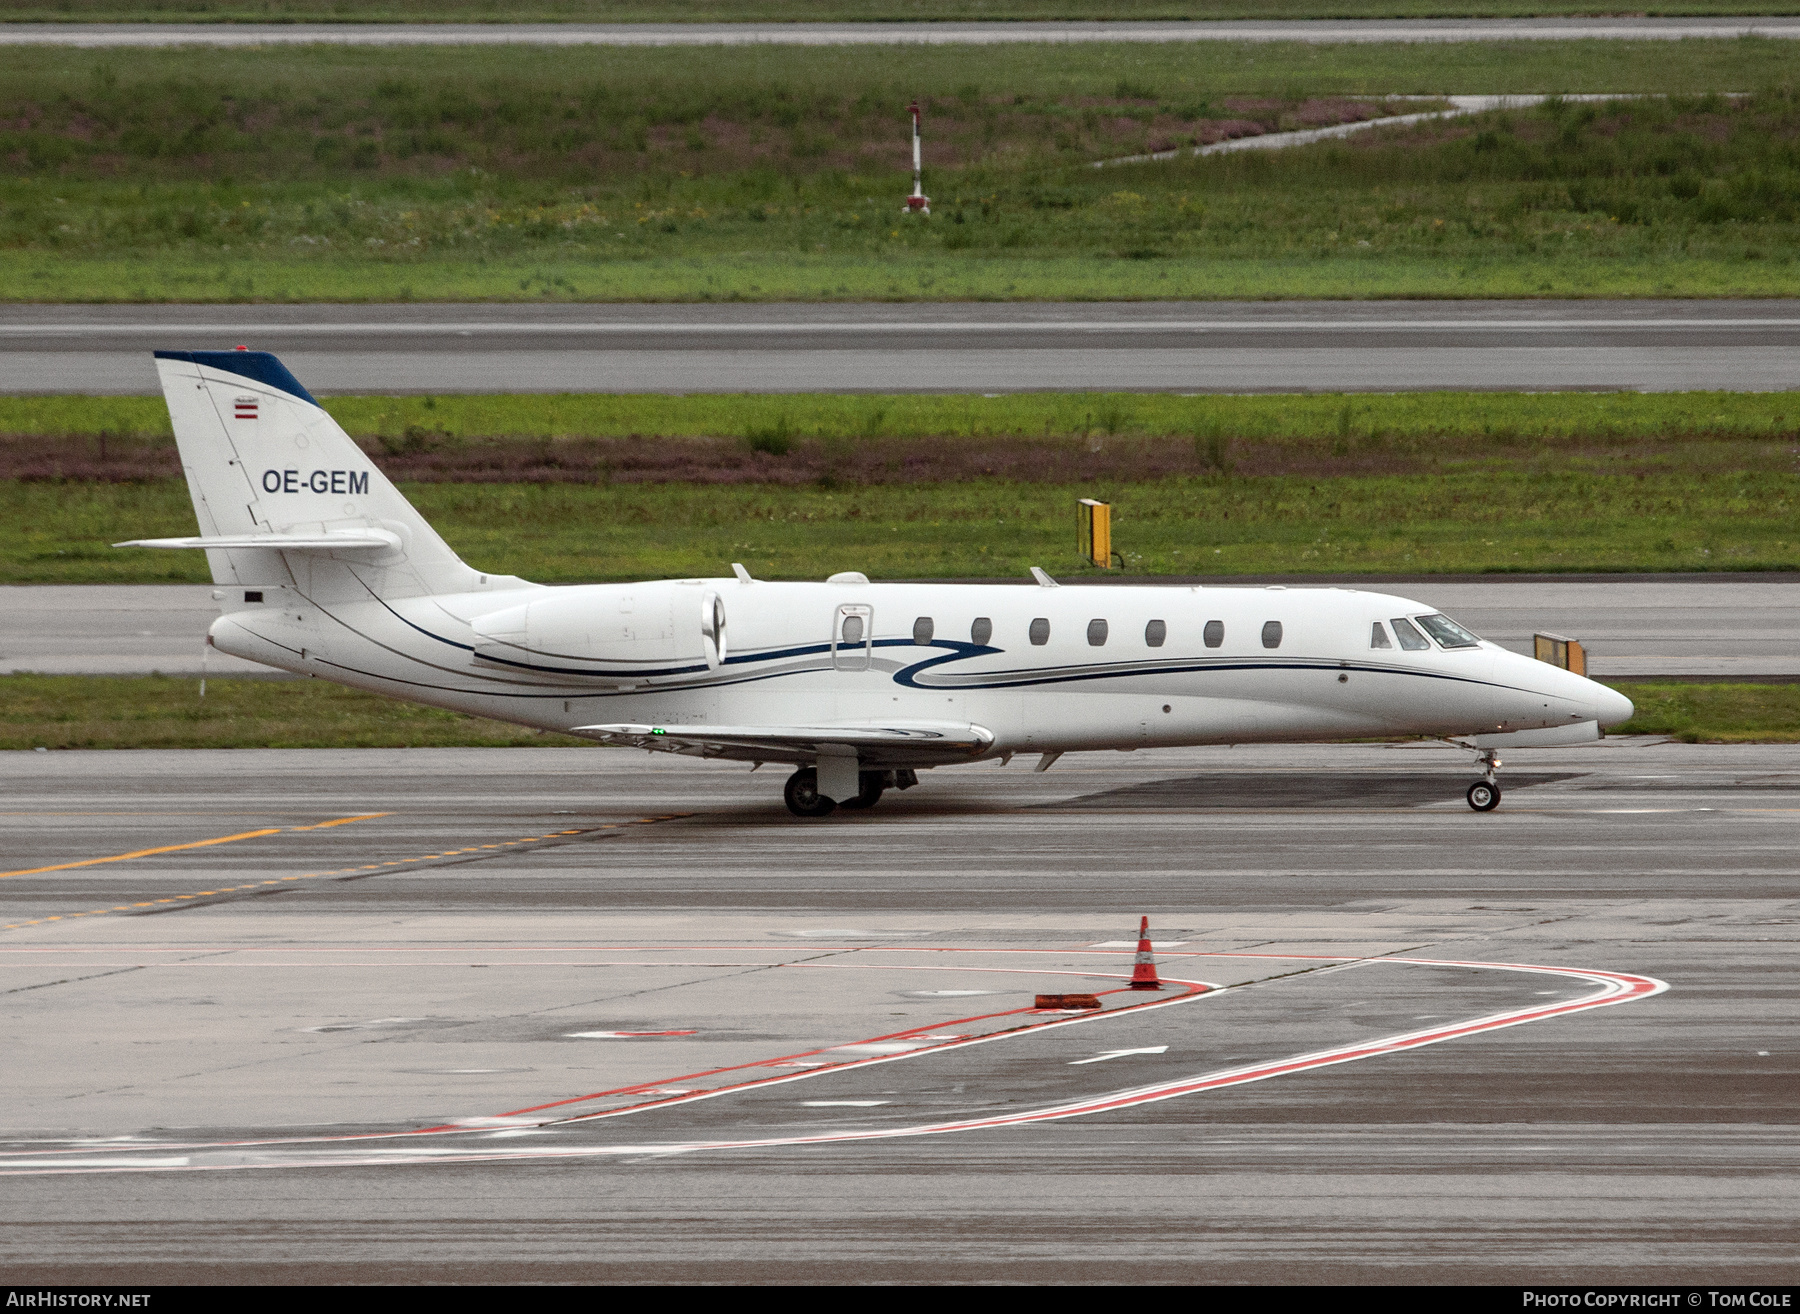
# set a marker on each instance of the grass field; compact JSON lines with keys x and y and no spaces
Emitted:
{"x":815,"y":11}
{"x":566,"y":489}
{"x":155,"y":711}
{"x":1715,"y":713}
{"x":62,"y":427}
{"x":514,"y":174}
{"x":1472,"y":520}
{"x":83,"y":711}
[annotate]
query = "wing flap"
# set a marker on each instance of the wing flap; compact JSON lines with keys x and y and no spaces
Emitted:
{"x":942,"y":739}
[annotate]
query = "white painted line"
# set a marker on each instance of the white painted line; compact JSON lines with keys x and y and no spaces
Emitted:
{"x":363,"y":1026}
{"x":1132,"y":944}
{"x":947,"y":994}
{"x":1611,"y":988}
{"x":1120,"y":1053}
{"x":623,"y":1035}
{"x":843,"y":1104}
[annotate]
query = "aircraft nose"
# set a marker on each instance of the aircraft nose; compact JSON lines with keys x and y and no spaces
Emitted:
{"x":1611,"y":707}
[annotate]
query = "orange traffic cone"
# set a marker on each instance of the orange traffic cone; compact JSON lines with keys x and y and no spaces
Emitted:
{"x":1143,"y":971}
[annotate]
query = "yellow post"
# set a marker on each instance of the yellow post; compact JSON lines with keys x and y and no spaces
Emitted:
{"x":1094,"y":520}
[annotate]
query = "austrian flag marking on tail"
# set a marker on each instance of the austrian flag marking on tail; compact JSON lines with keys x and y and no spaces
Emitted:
{"x":246,"y":408}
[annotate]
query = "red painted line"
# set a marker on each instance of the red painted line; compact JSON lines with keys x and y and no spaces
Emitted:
{"x":641,"y":1087}
{"x":638,"y":1088}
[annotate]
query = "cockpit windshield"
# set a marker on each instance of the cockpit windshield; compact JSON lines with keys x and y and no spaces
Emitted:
{"x":1447,"y":632}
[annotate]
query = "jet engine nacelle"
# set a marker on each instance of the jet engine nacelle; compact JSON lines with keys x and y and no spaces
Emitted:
{"x":623,"y":625}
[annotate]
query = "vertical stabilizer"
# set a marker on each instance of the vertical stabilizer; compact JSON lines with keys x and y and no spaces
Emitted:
{"x":262,"y":457}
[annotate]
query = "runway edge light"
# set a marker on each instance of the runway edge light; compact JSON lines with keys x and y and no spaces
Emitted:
{"x":1143,"y":969}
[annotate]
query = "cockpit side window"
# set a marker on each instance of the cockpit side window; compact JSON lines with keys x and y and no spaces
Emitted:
{"x":1447,"y":632}
{"x":1378,"y":636}
{"x":1410,"y":639}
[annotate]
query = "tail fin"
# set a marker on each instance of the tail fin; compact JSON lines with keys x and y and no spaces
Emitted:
{"x":262,"y":458}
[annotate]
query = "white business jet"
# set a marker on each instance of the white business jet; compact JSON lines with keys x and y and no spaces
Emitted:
{"x":326,"y":570}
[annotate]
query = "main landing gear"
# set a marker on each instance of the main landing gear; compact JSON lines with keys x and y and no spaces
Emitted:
{"x":804,"y":799}
{"x":1484,"y":794}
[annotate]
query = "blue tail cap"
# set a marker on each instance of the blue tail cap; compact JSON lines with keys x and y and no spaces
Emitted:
{"x":261,"y":366}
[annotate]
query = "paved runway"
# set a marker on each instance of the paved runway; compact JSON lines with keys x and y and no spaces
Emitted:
{"x":523,"y":1015}
{"x":1709,"y":625}
{"x":1196,"y":347}
{"x":846,"y":34}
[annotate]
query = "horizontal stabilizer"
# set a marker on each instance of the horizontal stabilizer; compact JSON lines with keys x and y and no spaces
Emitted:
{"x":330,"y":542}
{"x":945,"y":740}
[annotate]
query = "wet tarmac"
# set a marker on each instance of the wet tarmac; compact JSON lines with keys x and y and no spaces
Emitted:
{"x":589,"y":1014}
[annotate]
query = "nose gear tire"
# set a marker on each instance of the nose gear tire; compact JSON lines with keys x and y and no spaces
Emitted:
{"x":1484,"y":796}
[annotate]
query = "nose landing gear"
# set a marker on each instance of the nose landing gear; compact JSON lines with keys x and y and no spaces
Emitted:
{"x":1484,"y":794}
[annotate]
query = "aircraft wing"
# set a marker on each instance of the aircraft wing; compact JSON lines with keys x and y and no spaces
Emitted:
{"x":898,"y":743}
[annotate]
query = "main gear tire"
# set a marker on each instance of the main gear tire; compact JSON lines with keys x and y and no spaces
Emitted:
{"x":803,"y":797}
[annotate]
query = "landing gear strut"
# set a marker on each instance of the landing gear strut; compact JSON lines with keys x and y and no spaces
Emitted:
{"x":1484,"y":794}
{"x":871,"y":785}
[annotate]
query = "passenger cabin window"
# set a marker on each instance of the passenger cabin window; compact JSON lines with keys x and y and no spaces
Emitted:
{"x":1447,"y":632}
{"x":922,"y":630}
{"x":1096,"y":634}
{"x":1410,"y":639}
{"x":1378,"y":636}
{"x":981,"y":631}
{"x":1214,"y":633}
{"x":1155,"y":633}
{"x":1271,"y":634}
{"x":1040,"y":631}
{"x":853,"y":630}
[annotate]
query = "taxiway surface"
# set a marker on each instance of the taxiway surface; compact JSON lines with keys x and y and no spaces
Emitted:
{"x":591,"y":1014}
{"x":1196,"y":347}
{"x":1718,"y":627}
